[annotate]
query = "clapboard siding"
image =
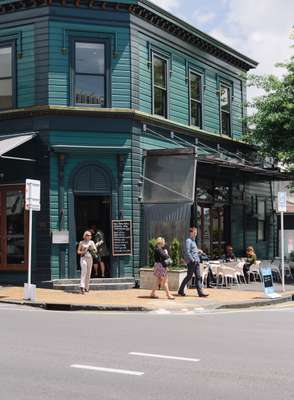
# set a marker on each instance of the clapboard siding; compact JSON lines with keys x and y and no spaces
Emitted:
{"x":244,"y":221}
{"x":72,"y":161}
{"x":25,"y":62}
{"x":59,"y":60}
{"x":178,"y":87}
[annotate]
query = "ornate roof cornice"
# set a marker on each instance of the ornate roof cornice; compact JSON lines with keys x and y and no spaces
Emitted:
{"x":153,"y":15}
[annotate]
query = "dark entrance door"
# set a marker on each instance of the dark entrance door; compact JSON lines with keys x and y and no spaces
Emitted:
{"x":94,"y":210}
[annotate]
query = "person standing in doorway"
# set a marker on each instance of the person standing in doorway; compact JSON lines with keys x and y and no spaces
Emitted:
{"x":102,"y":250}
{"x":86,"y":250}
{"x":192,"y":259}
{"x":99,"y":259}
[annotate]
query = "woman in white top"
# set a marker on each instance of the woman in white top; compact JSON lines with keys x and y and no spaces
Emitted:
{"x":86,"y":248}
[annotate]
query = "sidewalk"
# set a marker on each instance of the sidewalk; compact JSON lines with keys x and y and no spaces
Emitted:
{"x":139,"y":300}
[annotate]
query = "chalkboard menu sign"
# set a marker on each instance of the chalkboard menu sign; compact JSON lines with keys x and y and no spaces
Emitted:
{"x":268,"y":281}
{"x":122,"y":237}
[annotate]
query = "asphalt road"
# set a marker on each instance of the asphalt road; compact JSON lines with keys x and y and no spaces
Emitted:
{"x":81,"y":355}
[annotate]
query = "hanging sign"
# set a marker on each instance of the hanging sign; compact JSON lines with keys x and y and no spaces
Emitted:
{"x":33,"y":195}
{"x":122,"y":238}
{"x":268,"y":283}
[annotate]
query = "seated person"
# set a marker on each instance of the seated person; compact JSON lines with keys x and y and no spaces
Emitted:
{"x":228,"y":255}
{"x":250,"y":260}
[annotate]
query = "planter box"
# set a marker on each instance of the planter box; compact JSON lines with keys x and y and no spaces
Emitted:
{"x":175,"y":278}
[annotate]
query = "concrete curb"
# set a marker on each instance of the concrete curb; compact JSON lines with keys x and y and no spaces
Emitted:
{"x":76,"y":307}
{"x":123,"y":308}
{"x":256,"y":303}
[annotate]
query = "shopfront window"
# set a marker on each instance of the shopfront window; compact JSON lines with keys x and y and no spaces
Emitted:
{"x":159,"y":67}
{"x":195,"y":99}
{"x":221,"y":193}
{"x":13,"y":229}
{"x":212,"y":229}
{"x":204,"y":191}
{"x":90,"y":74}
{"x":204,"y":235}
{"x":6,"y":78}
{"x":213,"y":215}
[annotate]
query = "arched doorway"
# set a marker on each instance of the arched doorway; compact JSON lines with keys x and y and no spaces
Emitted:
{"x":91,"y":202}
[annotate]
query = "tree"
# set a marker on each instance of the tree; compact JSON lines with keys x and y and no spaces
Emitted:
{"x":272,"y":124}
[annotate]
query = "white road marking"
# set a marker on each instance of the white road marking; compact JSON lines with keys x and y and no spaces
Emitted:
{"x":112,"y":370}
{"x":167,"y":357}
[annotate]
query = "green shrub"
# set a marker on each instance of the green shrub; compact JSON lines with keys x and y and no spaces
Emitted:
{"x":151,"y":247}
{"x":175,"y":252}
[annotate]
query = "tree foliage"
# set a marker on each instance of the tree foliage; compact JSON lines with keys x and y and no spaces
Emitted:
{"x":272,"y":124}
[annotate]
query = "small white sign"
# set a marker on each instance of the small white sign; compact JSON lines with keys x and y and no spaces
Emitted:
{"x":282,"y":202}
{"x":60,"y":237}
{"x":33,"y":195}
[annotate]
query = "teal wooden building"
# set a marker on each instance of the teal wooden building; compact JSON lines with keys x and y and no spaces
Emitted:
{"x":88,"y":89}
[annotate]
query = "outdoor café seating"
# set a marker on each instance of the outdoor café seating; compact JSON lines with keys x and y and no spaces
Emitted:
{"x":231,"y":273}
{"x":227,"y":274}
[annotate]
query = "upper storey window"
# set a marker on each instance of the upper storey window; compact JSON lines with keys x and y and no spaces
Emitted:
{"x":195,"y":99}
{"x":6,"y":78}
{"x":90,"y":74}
{"x":159,"y":68}
{"x":225,"y":105}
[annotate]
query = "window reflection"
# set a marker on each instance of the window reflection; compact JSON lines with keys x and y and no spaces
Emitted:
{"x":90,"y":90}
{"x":225,"y":103}
{"x":5,"y":78}
{"x":90,"y":58}
{"x":90,"y":75}
{"x":204,"y":191}
{"x":5,"y":62}
{"x":195,"y":99}
{"x":160,"y":86}
{"x":15,"y":227}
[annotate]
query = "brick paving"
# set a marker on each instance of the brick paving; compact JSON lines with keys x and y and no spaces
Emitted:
{"x":140,"y":298}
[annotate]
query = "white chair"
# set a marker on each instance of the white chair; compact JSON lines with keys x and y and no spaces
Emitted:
{"x":255,"y":271}
{"x":227,"y":274}
{"x":203,"y":272}
{"x":239,"y":271}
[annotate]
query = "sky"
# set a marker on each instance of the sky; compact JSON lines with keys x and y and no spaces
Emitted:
{"x":260,"y":29}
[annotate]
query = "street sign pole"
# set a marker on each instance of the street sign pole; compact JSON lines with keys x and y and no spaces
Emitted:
{"x":30,"y":247}
{"x":282,"y":250}
{"x":32,"y":203}
{"x":282,"y":207}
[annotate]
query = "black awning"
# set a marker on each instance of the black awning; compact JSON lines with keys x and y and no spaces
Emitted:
{"x":246,"y":167}
{"x":11,"y":142}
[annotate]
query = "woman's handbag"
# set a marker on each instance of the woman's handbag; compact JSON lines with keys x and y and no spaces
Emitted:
{"x":167,"y":262}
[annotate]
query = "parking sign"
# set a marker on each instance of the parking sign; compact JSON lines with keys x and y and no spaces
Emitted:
{"x":282,"y":202}
{"x":33,"y":190}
